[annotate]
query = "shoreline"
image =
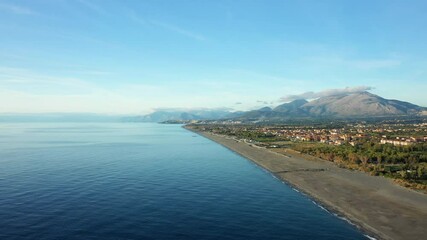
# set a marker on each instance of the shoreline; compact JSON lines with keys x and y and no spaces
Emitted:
{"x":375,"y":205}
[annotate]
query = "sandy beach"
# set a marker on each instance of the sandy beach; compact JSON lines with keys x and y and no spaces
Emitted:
{"x":379,"y":207}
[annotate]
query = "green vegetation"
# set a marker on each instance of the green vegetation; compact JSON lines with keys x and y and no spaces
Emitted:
{"x":406,"y":163}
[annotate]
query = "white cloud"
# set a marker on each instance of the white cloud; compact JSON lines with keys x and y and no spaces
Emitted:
{"x":325,"y":93}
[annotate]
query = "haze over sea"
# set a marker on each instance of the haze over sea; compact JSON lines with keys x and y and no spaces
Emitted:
{"x":144,"y":181}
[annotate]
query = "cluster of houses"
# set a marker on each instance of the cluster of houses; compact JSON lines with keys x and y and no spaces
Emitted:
{"x":352,"y":134}
{"x":338,"y":136}
{"x":401,"y":141}
{"x":328,"y":136}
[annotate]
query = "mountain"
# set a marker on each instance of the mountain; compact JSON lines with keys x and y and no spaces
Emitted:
{"x":172,"y":115}
{"x":265,"y":112}
{"x":360,"y":104}
{"x":349,"y":105}
{"x":292,"y":108}
{"x":286,"y":110}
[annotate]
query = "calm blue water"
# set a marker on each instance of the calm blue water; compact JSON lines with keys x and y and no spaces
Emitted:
{"x":144,"y":181}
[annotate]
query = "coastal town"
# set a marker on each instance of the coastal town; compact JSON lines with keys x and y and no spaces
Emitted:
{"x":394,"y":149}
{"x":352,"y":134}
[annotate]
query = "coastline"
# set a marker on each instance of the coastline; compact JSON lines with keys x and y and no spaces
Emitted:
{"x":375,"y":205}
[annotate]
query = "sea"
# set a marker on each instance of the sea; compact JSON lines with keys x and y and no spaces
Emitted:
{"x":145,"y":181}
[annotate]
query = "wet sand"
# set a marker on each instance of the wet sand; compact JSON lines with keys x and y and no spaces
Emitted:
{"x":379,"y":207}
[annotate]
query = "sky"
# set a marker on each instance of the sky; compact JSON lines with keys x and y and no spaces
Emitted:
{"x":133,"y":57}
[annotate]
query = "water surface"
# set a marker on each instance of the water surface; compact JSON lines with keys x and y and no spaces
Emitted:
{"x":144,"y":181}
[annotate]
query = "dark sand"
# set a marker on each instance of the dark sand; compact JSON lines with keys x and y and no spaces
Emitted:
{"x":375,"y":204}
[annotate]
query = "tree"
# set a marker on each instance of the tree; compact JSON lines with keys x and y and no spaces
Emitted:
{"x":364,"y":158}
{"x":352,"y":157}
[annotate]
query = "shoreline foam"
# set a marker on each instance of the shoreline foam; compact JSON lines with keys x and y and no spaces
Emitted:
{"x":375,"y":205}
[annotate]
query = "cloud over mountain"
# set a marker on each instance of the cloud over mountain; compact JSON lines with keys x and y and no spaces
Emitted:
{"x":325,"y":93}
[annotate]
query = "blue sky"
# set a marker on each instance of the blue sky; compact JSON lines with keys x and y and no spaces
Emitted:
{"x":131,"y":57}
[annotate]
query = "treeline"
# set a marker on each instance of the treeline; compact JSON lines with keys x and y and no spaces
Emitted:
{"x":257,"y":136}
{"x":406,"y":162}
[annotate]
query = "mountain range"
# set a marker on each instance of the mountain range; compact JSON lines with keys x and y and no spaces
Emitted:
{"x":348,"y":105}
{"x":360,"y":104}
{"x":177,"y":115}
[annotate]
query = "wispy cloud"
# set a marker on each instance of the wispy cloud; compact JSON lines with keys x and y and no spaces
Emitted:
{"x":179,"y":30}
{"x":166,"y":26}
{"x":374,"y":64}
{"x":91,"y":72}
{"x":94,"y":7}
{"x":134,"y":17}
{"x":15,"y":78}
{"x":325,"y":93}
{"x":324,"y":56}
{"x":16,"y":9}
{"x":359,"y":64}
{"x":27,"y":91}
{"x":95,"y":41}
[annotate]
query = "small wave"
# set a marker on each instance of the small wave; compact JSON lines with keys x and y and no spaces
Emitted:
{"x":345,"y":219}
{"x":275,"y":176}
{"x":369,"y":237}
{"x":304,"y":194}
{"x":321,"y":207}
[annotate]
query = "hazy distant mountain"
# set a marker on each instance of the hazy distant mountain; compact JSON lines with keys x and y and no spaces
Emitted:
{"x":161,"y":116}
{"x":359,"y":104}
{"x":265,"y":112}
{"x":165,"y":115}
